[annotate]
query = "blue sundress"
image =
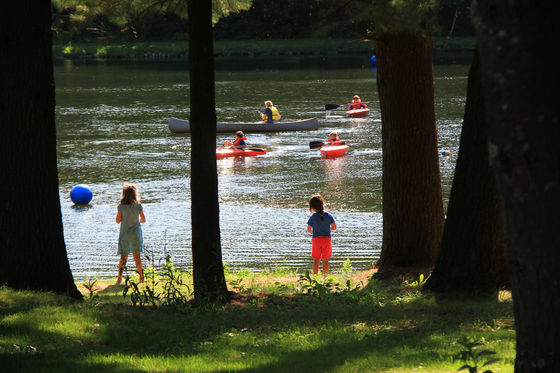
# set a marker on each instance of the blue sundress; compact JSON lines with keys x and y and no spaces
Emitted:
{"x":130,"y":236}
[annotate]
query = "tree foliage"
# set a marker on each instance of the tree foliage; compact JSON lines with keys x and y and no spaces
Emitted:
{"x":384,"y":17}
{"x":107,"y":16}
{"x":257,"y":19}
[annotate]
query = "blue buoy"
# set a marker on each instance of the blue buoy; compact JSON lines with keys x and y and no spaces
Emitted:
{"x":81,"y":194}
{"x":373,"y":61}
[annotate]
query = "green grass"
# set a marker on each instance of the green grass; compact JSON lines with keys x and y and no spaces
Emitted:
{"x":170,"y":49}
{"x":378,"y":328}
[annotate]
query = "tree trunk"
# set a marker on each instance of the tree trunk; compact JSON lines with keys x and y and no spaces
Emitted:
{"x":208,"y":272}
{"x":32,"y":249}
{"x":412,"y":196}
{"x":521,"y":96}
{"x":471,"y":257}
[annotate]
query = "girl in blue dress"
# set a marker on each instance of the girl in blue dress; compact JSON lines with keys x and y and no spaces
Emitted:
{"x":129,"y":216}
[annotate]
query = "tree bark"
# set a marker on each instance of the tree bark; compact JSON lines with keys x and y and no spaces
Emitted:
{"x":208,"y":272}
{"x":32,"y":249}
{"x":521,"y":96}
{"x":412,"y":194}
{"x":471,"y":257}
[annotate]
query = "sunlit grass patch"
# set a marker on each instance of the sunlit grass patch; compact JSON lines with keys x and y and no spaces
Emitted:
{"x":372,"y":328}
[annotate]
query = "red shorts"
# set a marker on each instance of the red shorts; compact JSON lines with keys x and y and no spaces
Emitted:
{"x":321,"y":247}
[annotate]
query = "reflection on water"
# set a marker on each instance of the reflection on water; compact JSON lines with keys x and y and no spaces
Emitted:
{"x":112,"y":129}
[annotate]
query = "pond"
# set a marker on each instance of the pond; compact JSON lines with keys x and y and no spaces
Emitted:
{"x":112,"y":129}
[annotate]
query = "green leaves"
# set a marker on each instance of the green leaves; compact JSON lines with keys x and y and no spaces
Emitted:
{"x":472,"y":356}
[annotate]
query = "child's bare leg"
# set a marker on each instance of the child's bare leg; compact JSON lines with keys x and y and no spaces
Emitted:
{"x":325,"y":266}
{"x":122,"y":264}
{"x":138,"y":262}
{"x":316,"y":265}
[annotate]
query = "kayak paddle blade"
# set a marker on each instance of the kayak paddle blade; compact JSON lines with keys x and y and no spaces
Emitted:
{"x":316,"y":144}
{"x":331,"y":106}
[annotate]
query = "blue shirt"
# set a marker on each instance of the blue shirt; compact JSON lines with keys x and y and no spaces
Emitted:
{"x":321,"y":228}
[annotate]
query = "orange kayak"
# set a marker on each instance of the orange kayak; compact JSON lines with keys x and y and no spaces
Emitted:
{"x":357,"y":113}
{"x":330,"y":151}
{"x":222,"y":152}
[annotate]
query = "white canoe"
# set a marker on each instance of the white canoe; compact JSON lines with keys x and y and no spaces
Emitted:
{"x":182,"y":126}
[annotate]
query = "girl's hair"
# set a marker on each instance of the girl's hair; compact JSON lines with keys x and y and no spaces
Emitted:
{"x":317,"y":203}
{"x":239,"y":134}
{"x":334,"y":133}
{"x":130,"y":194}
{"x":268,"y":103}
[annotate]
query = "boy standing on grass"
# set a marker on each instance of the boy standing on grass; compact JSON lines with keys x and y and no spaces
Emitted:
{"x":320,"y":225}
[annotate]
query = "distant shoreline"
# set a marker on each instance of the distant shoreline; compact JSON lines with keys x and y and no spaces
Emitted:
{"x":247,"y":48}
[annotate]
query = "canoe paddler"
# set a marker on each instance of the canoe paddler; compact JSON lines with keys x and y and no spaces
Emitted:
{"x":271,"y":114}
{"x":239,"y":142}
{"x":356,"y":103}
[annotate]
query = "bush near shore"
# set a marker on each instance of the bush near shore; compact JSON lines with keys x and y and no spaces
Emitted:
{"x":278,"y":321}
{"x":177,"y":49}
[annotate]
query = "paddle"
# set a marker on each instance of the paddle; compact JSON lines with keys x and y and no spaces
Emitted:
{"x":333,"y":106}
{"x":252,"y":149}
{"x":318,"y":144}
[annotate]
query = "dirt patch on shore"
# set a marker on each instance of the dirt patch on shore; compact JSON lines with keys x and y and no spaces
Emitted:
{"x":361,"y":278}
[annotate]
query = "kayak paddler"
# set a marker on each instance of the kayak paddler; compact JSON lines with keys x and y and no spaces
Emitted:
{"x":334,"y":139}
{"x":239,"y":142}
{"x":271,"y":114}
{"x":356,"y":103}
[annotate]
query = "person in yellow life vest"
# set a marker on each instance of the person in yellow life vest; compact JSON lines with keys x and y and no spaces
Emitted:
{"x":271,"y":114}
{"x":356,"y":103}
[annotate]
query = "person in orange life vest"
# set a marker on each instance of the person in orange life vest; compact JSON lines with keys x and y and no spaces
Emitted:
{"x":271,"y":114}
{"x":334,"y":139}
{"x":356,"y":103}
{"x":239,"y":141}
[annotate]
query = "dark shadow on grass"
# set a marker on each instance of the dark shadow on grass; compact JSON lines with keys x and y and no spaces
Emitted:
{"x":130,"y":331}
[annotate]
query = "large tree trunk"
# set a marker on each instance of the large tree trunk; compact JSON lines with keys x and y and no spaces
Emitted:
{"x":32,"y":249}
{"x":208,"y":272}
{"x":523,"y":112}
{"x":412,"y":197}
{"x":471,"y":257}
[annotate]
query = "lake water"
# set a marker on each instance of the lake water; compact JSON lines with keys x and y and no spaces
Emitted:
{"x":112,"y":129}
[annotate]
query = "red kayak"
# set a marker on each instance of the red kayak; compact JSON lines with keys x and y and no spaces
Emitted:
{"x":232,"y":152}
{"x":357,"y":113}
{"x":330,"y":151}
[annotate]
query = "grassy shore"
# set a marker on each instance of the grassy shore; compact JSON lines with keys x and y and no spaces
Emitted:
{"x":278,"y":321}
{"x":175,"y":49}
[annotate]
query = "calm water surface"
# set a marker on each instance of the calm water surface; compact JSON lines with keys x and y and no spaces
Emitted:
{"x":112,"y":129}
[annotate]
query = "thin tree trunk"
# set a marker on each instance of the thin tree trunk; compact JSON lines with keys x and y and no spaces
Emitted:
{"x":208,"y":272}
{"x":471,"y":257}
{"x":412,"y":195}
{"x":523,"y":112}
{"x":32,"y":249}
